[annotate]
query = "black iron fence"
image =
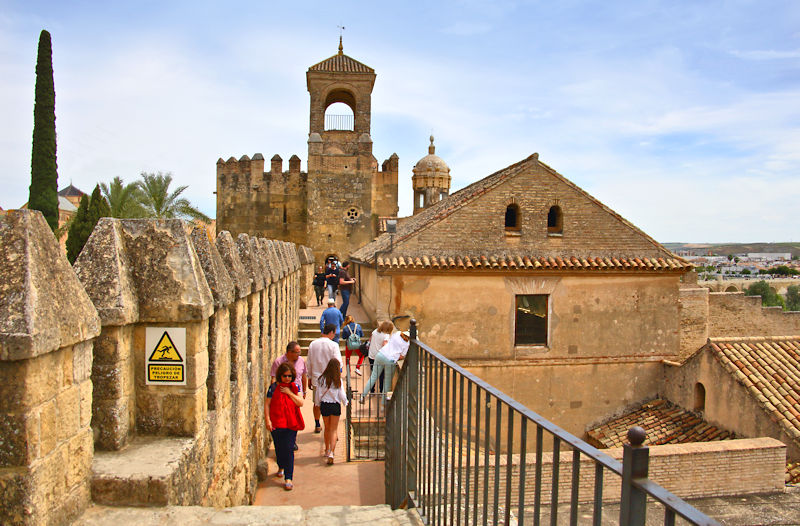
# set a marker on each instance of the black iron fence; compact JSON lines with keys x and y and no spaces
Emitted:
{"x":365,"y":422}
{"x":463,"y":452}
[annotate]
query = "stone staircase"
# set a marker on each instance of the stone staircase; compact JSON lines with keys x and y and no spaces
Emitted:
{"x":308,"y":331}
{"x":381,"y":515}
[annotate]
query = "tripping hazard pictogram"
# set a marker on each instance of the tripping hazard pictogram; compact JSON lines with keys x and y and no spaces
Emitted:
{"x":166,"y":348}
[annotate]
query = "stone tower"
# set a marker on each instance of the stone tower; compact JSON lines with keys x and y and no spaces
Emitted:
{"x":348,"y":193}
{"x":336,"y":206}
{"x":431,"y":180}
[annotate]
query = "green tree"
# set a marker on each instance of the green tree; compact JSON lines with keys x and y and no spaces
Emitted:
{"x":769,"y":298}
{"x":89,"y":213}
{"x":79,"y":230}
{"x":123,"y":199}
{"x":793,"y":297}
{"x":158,"y":201}
{"x":746,"y":272}
{"x":783,"y":270}
{"x":43,"y":192}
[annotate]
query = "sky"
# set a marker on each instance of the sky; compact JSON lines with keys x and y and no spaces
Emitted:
{"x":682,"y":116}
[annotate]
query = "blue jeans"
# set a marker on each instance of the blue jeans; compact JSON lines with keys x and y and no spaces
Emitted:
{"x":284,"y":440}
{"x":331,"y":291}
{"x":345,"y":301}
{"x":382,"y":363}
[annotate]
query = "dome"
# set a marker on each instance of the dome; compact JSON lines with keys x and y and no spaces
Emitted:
{"x":431,"y":163}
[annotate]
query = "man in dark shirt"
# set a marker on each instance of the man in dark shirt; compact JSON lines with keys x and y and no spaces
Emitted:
{"x":345,"y":286}
{"x":332,"y":279}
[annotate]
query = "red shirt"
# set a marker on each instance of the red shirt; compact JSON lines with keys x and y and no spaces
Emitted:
{"x":283,"y":413}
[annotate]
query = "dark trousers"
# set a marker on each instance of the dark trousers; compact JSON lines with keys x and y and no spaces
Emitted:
{"x":345,"y":301}
{"x":284,"y":440}
{"x":320,"y":292}
{"x":380,"y":378}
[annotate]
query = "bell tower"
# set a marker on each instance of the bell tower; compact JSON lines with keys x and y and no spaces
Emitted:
{"x":342,"y":172}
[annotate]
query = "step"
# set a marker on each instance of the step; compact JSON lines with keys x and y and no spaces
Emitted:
{"x":381,"y":514}
{"x":150,"y":471}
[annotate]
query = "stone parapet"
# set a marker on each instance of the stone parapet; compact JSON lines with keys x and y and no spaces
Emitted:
{"x":47,"y":323}
{"x":197,"y":440}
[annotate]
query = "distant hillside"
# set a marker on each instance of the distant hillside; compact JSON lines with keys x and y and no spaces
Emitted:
{"x":736,"y":248}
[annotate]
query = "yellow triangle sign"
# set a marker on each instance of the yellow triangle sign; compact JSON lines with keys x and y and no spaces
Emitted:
{"x":165,"y":351}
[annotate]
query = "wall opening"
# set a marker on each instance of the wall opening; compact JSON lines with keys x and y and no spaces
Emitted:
{"x":530,"y":327}
{"x":339,"y":116}
{"x":555,"y":220}
{"x":699,"y":397}
{"x":732,"y":288}
{"x":512,"y":217}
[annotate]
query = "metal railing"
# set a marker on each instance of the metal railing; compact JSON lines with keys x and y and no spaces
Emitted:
{"x":458,"y":449}
{"x":339,"y":122}
{"x":365,"y":423}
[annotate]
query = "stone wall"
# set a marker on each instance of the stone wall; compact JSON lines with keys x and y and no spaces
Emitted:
{"x":734,"y":314}
{"x":47,"y":324}
{"x":706,"y":469}
{"x":727,"y":404}
{"x":198,"y":443}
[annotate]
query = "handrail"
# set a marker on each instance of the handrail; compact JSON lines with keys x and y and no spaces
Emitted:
{"x":437,"y":461}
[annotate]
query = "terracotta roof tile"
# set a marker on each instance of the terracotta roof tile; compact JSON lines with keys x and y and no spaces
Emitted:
{"x":518,"y":262}
{"x":664,"y":422}
{"x":769,"y":369}
{"x":341,"y":63}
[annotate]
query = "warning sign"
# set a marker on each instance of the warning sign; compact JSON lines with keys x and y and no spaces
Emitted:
{"x":166,"y":348}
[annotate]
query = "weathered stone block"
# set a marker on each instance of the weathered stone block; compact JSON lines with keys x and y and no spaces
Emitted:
{"x":48,"y":423}
{"x":111,"y":423}
{"x":25,"y":384}
{"x":80,"y":451}
{"x":19,"y":439}
{"x":86,"y":391}
{"x":184,"y":414}
{"x":43,"y":306}
{"x":68,"y":411}
{"x":113,"y":346}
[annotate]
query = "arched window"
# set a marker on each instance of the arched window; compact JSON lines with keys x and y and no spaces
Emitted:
{"x":339,"y":116}
{"x":699,"y":397}
{"x":420,"y":200}
{"x":555,"y":220}
{"x":512,"y":217}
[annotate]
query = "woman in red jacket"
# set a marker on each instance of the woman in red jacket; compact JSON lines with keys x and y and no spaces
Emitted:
{"x":282,"y":414}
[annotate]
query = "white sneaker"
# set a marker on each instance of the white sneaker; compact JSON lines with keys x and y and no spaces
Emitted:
{"x":358,"y":371}
{"x":330,"y":458}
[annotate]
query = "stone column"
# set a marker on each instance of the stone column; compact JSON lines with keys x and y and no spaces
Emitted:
{"x":47,"y":323}
{"x":239,"y":407}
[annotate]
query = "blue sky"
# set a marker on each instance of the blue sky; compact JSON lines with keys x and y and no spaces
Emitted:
{"x":684,"y":117}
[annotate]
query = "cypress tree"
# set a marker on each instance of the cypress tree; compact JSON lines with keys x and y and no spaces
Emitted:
{"x":43,"y":194}
{"x":89,"y":213}
{"x":79,"y":230}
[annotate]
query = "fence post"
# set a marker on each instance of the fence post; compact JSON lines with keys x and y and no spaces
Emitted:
{"x":413,"y":411}
{"x":635,"y":465}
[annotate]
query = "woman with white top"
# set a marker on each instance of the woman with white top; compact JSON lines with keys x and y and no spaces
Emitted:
{"x":386,"y":360}
{"x":379,"y":338}
{"x":331,"y":397}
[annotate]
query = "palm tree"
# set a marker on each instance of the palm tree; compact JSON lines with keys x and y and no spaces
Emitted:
{"x":158,"y":201}
{"x":123,"y":199}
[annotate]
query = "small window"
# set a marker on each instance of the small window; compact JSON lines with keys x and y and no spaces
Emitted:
{"x":555,"y":220}
{"x":420,"y":200}
{"x":531,"y":320}
{"x":699,"y":397}
{"x":285,"y":217}
{"x":512,"y":217}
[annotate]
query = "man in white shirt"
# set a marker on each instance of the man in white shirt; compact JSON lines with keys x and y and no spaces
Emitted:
{"x":320,"y":352}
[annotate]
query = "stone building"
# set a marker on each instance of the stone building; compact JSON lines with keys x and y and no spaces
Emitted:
{"x":334,"y":207}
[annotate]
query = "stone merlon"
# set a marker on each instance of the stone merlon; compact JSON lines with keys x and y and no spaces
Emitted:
{"x":156,"y":269}
{"x":43,"y":306}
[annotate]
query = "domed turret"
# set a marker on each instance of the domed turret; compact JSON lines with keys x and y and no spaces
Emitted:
{"x":431,"y":180}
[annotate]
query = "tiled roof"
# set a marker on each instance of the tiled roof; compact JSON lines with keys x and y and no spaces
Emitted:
{"x":664,"y":422}
{"x":70,"y":191}
{"x":769,"y":368}
{"x":341,"y":63}
{"x":659,"y":257}
{"x":525,"y":262}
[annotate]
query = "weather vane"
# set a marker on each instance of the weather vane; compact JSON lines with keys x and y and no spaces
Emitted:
{"x":341,"y":29}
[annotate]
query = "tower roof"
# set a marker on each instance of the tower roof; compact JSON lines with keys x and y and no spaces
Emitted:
{"x":431,"y":163}
{"x":70,"y":191}
{"x":341,"y":63}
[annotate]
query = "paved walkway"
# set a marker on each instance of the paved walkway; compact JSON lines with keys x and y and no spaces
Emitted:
{"x":316,"y":483}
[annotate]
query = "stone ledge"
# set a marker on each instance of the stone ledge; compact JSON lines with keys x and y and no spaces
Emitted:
{"x":248,"y":515}
{"x":145,"y":473}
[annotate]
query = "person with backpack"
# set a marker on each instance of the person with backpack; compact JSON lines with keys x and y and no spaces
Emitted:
{"x":352,"y":334}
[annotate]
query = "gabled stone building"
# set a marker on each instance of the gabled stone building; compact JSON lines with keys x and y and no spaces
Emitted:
{"x":335,"y":206}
